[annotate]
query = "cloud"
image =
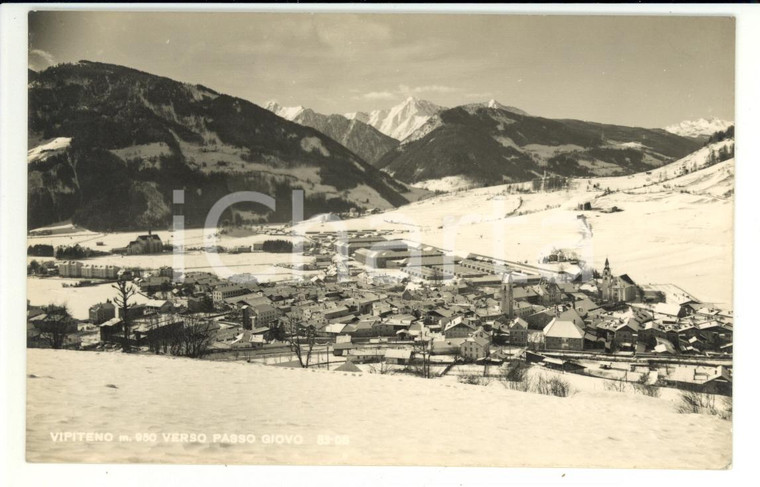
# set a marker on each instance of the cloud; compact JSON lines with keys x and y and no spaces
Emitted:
{"x":426,"y":89}
{"x":378,"y":95}
{"x":39,"y":59}
{"x":404,"y":91}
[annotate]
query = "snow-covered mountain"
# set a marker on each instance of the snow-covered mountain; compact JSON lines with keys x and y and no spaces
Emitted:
{"x":495,"y":104}
{"x":481,"y":144}
{"x":401,"y":120}
{"x":288,"y":113}
{"x":362,"y":139}
{"x":700,"y":127}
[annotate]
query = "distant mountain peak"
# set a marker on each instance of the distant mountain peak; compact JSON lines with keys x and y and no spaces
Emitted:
{"x":352,"y":132}
{"x":401,"y":120}
{"x":699,"y":127}
{"x":492,"y":103}
{"x":288,"y":113}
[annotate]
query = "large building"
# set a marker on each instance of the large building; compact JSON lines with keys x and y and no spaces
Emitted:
{"x":265,"y":314}
{"x":384,"y":258}
{"x":474,"y":348}
{"x":616,"y":289}
{"x":145,"y":244}
{"x":71,"y":268}
{"x":74,"y":268}
{"x":350,"y":245}
{"x":100,"y":271}
{"x":102,"y":312}
{"x":563,"y":335}
{"x":225,"y":291}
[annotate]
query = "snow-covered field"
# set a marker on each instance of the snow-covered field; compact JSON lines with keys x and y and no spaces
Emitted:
{"x":673,"y":229}
{"x":77,"y":299}
{"x":68,"y":234}
{"x":449,"y":183}
{"x":261,"y":264}
{"x":264,"y":265}
{"x":386,"y":419}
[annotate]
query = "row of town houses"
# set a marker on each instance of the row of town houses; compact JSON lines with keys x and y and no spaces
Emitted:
{"x":546,"y":315}
{"x":447,"y":299}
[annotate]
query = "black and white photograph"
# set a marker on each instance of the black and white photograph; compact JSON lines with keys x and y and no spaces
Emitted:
{"x":373,"y":238}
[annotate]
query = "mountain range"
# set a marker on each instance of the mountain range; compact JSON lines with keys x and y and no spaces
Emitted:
{"x":131,"y":138}
{"x":108,"y":145}
{"x":401,"y":120}
{"x":365,"y":141}
{"x":486,"y":144}
{"x":700,"y":128}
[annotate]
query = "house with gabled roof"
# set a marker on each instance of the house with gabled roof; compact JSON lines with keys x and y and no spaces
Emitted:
{"x":348,"y":366}
{"x":518,"y":332}
{"x":665,"y":346}
{"x":522,"y":309}
{"x":626,"y":333}
{"x":398,"y":356}
{"x":538,"y":321}
{"x":460,"y":329}
{"x":474,"y":348}
{"x":563,"y":335}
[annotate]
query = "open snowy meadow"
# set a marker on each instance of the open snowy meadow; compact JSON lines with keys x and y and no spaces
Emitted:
{"x":169,"y":410}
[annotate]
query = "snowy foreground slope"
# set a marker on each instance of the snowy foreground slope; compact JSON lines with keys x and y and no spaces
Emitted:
{"x":387,"y":419}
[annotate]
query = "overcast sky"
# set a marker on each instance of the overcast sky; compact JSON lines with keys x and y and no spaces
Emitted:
{"x":643,"y":71}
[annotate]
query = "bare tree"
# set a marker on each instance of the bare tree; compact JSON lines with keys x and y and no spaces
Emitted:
{"x":155,"y":340}
{"x":301,"y":340}
{"x":536,"y":341}
{"x":423,"y":348}
{"x":192,"y":337}
{"x":125,"y":292}
{"x":198,"y":334}
{"x":56,"y":325}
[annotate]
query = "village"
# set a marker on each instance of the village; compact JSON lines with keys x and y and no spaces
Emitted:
{"x":377,"y":304}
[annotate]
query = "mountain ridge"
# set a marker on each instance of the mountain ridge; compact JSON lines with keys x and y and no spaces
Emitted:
{"x":399,"y":121}
{"x":702,"y":127}
{"x":489,"y":146}
{"x":135,"y":137}
{"x":364,"y":140}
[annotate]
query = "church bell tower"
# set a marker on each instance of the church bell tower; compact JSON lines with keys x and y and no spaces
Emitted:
{"x":507,"y":300}
{"x":607,"y":281}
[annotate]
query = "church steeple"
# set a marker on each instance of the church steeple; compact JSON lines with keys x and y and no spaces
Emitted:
{"x":607,"y":271}
{"x":606,"y":287}
{"x":507,"y":300}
